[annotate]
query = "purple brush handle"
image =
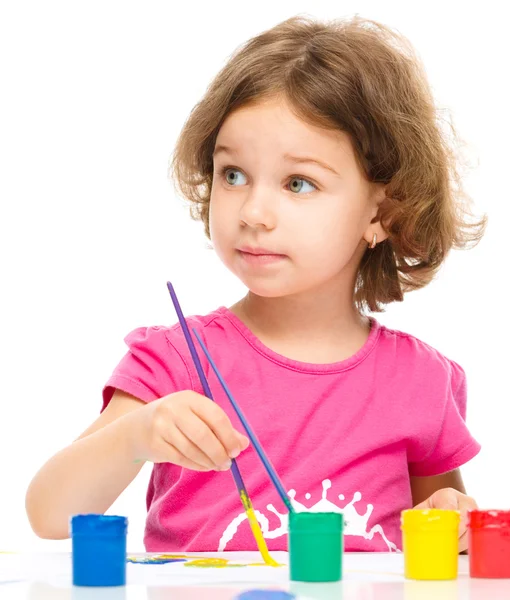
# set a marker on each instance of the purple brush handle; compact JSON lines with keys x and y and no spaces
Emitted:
{"x":207,"y":390}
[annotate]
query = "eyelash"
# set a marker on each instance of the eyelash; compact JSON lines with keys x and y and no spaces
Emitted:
{"x":222,"y":172}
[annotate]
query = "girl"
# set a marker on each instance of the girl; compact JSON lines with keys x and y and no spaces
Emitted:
{"x":325,"y":183}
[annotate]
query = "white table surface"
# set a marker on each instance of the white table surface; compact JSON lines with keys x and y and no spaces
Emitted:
{"x":48,"y":576}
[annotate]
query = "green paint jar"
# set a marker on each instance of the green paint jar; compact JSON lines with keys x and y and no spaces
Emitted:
{"x":316,"y":546}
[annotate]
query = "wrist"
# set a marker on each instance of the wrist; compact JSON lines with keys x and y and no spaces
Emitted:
{"x":131,"y":437}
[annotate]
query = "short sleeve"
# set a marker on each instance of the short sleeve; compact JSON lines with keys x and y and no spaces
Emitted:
{"x":454,"y":445}
{"x":151,"y":368}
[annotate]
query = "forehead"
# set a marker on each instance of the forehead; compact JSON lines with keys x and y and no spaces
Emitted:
{"x":272,"y":126}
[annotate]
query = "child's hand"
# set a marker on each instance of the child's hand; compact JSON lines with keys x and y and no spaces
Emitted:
{"x":450,"y":499}
{"x":188,"y":430}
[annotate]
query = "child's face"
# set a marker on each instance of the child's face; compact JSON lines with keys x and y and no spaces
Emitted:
{"x":283,"y":226}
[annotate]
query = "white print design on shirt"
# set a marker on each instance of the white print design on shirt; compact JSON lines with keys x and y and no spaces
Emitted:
{"x":354,"y":523}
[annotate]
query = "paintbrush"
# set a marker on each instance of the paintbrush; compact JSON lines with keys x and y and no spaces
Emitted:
{"x":273,"y":475}
{"x":241,"y":488}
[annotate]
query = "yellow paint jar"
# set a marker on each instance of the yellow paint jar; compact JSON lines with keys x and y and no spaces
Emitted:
{"x":431,"y":543}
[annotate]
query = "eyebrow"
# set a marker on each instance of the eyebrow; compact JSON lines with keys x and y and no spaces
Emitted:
{"x":289,"y":157}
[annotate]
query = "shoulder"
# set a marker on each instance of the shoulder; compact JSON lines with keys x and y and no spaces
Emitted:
{"x":170,"y":335}
{"x":168,"y":345}
{"x":208,"y":326}
{"x":158,"y":360}
{"x":413,"y":354}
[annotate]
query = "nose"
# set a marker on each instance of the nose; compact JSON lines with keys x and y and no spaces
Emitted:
{"x":258,"y":209}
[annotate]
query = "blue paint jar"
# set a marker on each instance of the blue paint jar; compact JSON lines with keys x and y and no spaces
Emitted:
{"x":99,"y":550}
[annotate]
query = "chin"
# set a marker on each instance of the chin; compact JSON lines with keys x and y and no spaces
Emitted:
{"x":264,"y":292}
{"x":268,"y":288}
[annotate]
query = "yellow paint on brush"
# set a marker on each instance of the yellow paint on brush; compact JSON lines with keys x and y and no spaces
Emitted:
{"x":257,"y":533}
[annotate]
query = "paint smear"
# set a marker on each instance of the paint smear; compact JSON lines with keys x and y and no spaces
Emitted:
{"x":211,"y":563}
{"x":193,"y":561}
{"x":221,"y":563}
{"x":160,"y":559}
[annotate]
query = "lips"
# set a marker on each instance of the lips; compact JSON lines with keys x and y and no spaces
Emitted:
{"x":257,"y":251}
{"x":257,"y":256}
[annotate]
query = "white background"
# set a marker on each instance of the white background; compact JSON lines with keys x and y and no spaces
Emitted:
{"x":93,"y":97}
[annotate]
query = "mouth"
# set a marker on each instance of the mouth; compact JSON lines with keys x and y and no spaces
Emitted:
{"x":259,"y":256}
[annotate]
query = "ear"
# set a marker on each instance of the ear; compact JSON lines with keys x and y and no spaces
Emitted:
{"x":378,"y":197}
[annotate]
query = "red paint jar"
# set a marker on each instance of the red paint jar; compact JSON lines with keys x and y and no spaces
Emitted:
{"x":489,"y":543}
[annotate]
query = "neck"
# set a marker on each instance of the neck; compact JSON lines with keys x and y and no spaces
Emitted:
{"x":316,"y":314}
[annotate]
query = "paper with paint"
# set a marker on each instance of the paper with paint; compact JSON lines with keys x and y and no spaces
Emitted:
{"x":56,"y":569}
{"x":357,"y":567}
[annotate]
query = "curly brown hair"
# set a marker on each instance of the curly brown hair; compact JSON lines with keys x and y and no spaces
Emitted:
{"x":360,"y":77}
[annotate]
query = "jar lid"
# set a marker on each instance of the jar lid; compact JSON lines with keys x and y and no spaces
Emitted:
{"x":98,"y":525}
{"x":430,"y":519}
{"x":488,"y":518}
{"x":310,"y":522}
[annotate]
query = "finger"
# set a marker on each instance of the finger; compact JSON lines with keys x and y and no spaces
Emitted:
{"x":200,"y":433}
{"x":244,"y":442}
{"x":220,"y":425}
{"x":187,"y":448}
{"x":466,"y":504}
{"x":425,"y":505}
{"x":463,"y":542}
{"x":462,"y":528}
{"x":445,"y":499}
{"x":165,"y":452}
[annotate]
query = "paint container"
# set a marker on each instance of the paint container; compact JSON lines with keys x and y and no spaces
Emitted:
{"x":316,"y":546}
{"x":431,"y":543}
{"x":489,"y":543}
{"x":99,"y":550}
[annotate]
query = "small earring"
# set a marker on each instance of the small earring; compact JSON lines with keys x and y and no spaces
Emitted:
{"x":374,"y":241}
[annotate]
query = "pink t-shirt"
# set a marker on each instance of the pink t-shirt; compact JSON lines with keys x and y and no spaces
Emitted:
{"x":343,"y":436}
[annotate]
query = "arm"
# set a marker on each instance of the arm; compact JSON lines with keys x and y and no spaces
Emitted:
{"x":183,"y":428}
{"x":89,"y":474}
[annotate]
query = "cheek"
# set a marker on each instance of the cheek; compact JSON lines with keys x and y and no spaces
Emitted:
{"x":332,"y":233}
{"x":220,"y":221}
{"x":214,"y":213}
{"x":213,"y":220}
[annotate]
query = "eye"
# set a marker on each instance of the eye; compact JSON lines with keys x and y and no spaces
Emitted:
{"x":232,"y":175}
{"x":296,"y":185}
